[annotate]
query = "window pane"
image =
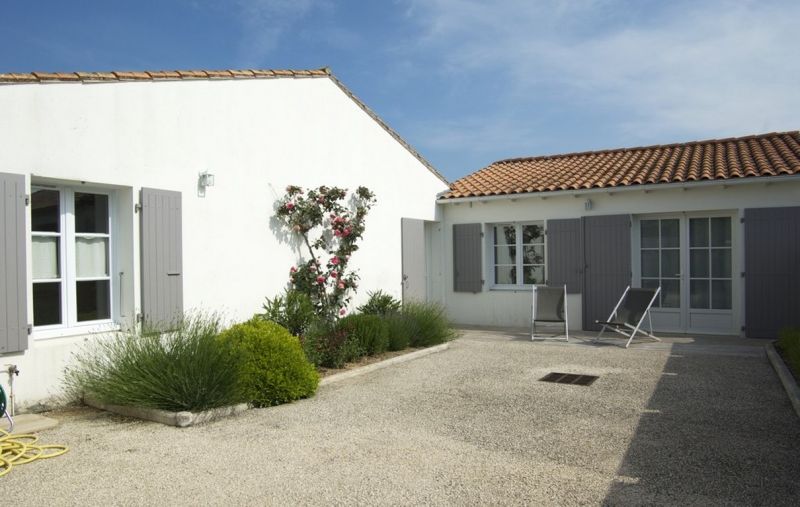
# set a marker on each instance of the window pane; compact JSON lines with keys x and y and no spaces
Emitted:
{"x":670,"y":263}
{"x":505,"y":274}
{"x":532,"y":233}
{"x":649,"y":229}
{"x":533,"y":254}
{"x":650,"y":263}
{"x":721,"y":231}
{"x":721,"y":294}
{"x":93,"y":300}
{"x":91,"y":257}
{"x":721,"y":263}
{"x":698,"y":232}
{"x":505,"y":235}
{"x":670,"y":293}
{"x":670,"y":233}
{"x":505,"y":254}
{"x":698,"y":263}
{"x":652,"y":284}
{"x":44,"y":252}
{"x":46,"y":303}
{"x":45,"y":211}
{"x":698,"y":294}
{"x":91,"y":213}
{"x":533,"y":274}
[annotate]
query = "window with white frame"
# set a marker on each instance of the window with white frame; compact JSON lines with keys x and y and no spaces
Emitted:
{"x":519,"y":254}
{"x":71,"y":245}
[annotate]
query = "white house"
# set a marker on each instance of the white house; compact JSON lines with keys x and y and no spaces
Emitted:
{"x":105,"y":219}
{"x":715,"y":224}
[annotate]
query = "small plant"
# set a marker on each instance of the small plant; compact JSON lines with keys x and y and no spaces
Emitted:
{"x":292,"y":310}
{"x":370,"y":331}
{"x":426,"y":324}
{"x":273,"y":368}
{"x":185,"y":369}
{"x":399,"y":332}
{"x":789,"y":343}
{"x":380,"y":303}
{"x":329,"y":346}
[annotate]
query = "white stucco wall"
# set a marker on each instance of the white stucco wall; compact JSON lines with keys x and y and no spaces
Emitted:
{"x":502,"y":307}
{"x":255,"y":135}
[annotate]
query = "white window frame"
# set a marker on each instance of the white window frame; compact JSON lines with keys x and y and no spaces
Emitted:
{"x":68,"y":268}
{"x":519,"y":248}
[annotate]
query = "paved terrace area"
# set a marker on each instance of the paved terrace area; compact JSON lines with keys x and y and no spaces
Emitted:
{"x":700,"y":421}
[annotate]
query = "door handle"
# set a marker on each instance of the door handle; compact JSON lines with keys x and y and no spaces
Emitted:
{"x":173,"y":274}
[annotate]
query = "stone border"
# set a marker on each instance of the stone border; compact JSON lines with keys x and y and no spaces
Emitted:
{"x":383,"y":364}
{"x":181,"y":419}
{"x":787,"y":379}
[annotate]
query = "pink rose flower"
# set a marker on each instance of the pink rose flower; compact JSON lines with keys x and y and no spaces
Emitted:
{"x":334,"y":274}
{"x":342,"y":311}
{"x":289,"y":205}
{"x":320,"y":279}
{"x":334,"y":260}
{"x":341,"y":285}
{"x":293,"y":270}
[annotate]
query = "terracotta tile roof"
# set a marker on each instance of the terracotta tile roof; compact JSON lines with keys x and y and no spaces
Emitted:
{"x":49,"y":77}
{"x":12,"y":78}
{"x":762,"y":155}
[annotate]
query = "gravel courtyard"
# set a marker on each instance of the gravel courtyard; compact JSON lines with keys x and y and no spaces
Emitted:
{"x":470,"y":425}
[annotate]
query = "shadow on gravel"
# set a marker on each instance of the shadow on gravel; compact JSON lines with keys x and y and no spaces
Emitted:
{"x":718,"y":429}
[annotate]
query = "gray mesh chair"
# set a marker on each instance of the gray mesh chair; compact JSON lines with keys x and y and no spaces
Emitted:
{"x":628,"y":316}
{"x":549,"y":305}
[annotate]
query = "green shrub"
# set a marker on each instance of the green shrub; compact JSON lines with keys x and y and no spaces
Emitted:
{"x":399,"y":332}
{"x":370,"y":331}
{"x":273,"y":366}
{"x":789,"y":343}
{"x":185,"y":369}
{"x":380,"y":303}
{"x":327,"y":345}
{"x":292,"y":310}
{"x":426,"y":324}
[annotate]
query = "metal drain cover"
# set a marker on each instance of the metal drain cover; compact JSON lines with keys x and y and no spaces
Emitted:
{"x":569,"y":378}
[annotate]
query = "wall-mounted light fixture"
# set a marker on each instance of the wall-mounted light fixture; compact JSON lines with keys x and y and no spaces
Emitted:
{"x":587,"y":205}
{"x":204,"y":179}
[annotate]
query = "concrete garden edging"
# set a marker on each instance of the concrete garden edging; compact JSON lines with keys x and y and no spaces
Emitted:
{"x":787,"y":379}
{"x":383,"y":364}
{"x":181,"y":419}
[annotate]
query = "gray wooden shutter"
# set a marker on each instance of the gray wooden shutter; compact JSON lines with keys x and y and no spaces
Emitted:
{"x":467,"y":258}
{"x":772,"y":270}
{"x":607,"y":250}
{"x":565,"y":254}
{"x":161,"y":258}
{"x":13,"y":265}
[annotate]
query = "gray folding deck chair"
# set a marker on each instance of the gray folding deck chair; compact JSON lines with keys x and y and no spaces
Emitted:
{"x":627,"y":317}
{"x":549,"y":305}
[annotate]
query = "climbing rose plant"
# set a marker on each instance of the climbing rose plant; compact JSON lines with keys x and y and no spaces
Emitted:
{"x":330,"y":231}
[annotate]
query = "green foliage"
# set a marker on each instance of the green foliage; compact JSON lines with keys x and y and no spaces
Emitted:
{"x":185,"y":369}
{"x":399,"y":332}
{"x":292,"y":310}
{"x":789,"y":343}
{"x":273,"y":366}
{"x":426,"y":324}
{"x":325,"y":344}
{"x":380,"y":303}
{"x":370,"y":331}
{"x":330,"y":231}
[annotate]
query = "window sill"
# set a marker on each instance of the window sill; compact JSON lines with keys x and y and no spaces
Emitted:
{"x":511,"y":288}
{"x":65,"y":332}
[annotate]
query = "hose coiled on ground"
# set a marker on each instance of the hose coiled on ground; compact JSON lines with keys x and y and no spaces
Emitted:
{"x":20,"y":448}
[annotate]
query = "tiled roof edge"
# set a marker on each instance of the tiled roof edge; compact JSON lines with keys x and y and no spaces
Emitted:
{"x":387,"y":128}
{"x":11,"y":78}
{"x":639,"y":148}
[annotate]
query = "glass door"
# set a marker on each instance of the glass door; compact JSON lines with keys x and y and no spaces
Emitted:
{"x":660,"y":251}
{"x":710,"y":275}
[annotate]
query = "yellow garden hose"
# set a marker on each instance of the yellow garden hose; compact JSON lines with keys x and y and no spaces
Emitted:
{"x":19,"y":449}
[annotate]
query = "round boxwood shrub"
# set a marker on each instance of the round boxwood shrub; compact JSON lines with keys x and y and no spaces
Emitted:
{"x":371,"y":332}
{"x":273,"y":368}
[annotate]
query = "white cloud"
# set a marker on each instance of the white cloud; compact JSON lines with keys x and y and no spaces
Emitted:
{"x":682,"y":70}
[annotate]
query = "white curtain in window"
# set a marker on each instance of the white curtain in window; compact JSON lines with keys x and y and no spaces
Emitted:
{"x":91,"y":257}
{"x":45,"y":257}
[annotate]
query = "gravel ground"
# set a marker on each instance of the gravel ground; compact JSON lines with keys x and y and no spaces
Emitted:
{"x":471,"y":425}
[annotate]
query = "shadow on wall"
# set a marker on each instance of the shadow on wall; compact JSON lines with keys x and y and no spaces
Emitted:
{"x":717,"y":430}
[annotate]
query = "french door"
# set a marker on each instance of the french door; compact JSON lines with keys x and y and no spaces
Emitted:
{"x":691,"y":257}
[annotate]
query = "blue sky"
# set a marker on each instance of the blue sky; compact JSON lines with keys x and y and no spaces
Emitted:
{"x":465,"y":82}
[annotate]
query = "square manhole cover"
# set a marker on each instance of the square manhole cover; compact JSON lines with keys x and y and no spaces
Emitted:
{"x":569,"y":378}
